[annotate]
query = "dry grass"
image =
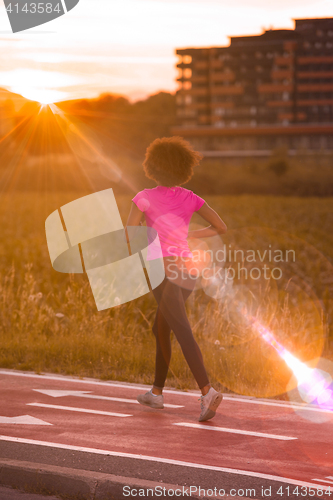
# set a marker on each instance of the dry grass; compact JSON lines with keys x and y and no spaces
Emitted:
{"x":49,"y":321}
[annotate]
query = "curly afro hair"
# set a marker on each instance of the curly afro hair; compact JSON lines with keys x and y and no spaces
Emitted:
{"x":170,"y":161}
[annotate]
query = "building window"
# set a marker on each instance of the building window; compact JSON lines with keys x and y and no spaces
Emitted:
{"x":188,"y":99}
{"x":187,"y":73}
{"x":220,"y":123}
{"x":189,"y":123}
{"x":253,"y":110}
{"x":253,"y":123}
{"x":187,"y":85}
{"x":219,"y":111}
{"x":187,"y":59}
{"x":233,"y":123}
{"x":330,"y":33}
{"x":285,"y":96}
{"x":258,"y":55}
{"x":190,"y":112}
{"x":319,"y":33}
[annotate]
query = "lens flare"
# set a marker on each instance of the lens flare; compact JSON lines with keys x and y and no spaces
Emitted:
{"x":314,"y":386}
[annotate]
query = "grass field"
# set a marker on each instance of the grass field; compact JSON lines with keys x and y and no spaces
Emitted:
{"x":49,"y":321}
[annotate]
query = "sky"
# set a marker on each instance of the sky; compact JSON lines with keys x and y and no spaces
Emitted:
{"x":127,"y":47}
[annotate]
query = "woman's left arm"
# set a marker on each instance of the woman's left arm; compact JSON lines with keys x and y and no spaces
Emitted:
{"x":135,"y":216}
{"x":134,"y":219}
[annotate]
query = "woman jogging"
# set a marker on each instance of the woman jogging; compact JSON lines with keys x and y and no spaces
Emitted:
{"x":168,"y":208}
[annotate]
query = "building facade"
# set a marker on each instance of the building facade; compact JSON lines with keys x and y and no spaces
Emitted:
{"x":260,"y":93}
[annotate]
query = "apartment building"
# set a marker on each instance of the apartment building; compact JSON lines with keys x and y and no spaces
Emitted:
{"x":260,"y":92}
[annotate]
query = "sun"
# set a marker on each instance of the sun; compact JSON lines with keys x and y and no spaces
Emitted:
{"x":43,"y":96}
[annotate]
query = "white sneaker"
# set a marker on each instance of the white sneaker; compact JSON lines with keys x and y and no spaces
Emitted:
{"x":152,"y":400}
{"x":209,"y":404}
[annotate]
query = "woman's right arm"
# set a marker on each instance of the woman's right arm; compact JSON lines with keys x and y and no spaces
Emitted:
{"x":217,"y":225}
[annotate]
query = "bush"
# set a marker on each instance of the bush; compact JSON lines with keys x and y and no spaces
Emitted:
{"x":279,"y":167}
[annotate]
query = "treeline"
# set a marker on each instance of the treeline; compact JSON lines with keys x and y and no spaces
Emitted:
{"x":121,"y":124}
{"x":124,"y":125}
{"x":71,"y":139}
{"x":93,"y":144}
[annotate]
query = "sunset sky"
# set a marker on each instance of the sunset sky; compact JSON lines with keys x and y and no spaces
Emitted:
{"x":128,"y":46}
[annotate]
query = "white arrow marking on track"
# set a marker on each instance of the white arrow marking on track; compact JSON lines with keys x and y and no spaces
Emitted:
{"x":236,"y":431}
{"x":87,"y":394}
{"x":82,"y":410}
{"x":60,"y":394}
{"x":23,"y":419}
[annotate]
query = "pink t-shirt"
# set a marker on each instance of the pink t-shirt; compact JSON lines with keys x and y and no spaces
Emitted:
{"x":169,"y":211}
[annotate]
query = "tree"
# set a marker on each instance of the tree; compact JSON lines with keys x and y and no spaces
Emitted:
{"x":279,"y":163}
{"x":279,"y":167}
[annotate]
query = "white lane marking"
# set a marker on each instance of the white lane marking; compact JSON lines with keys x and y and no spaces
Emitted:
{"x":329,"y":477}
{"x":95,"y":451}
{"x":81,"y":410}
{"x":323,"y":481}
{"x":23,"y":420}
{"x":86,"y":394}
{"x":296,"y":406}
{"x":281,"y":405}
{"x":236,"y":431}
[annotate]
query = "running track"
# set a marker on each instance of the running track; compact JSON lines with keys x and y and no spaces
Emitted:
{"x":249,"y":442}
